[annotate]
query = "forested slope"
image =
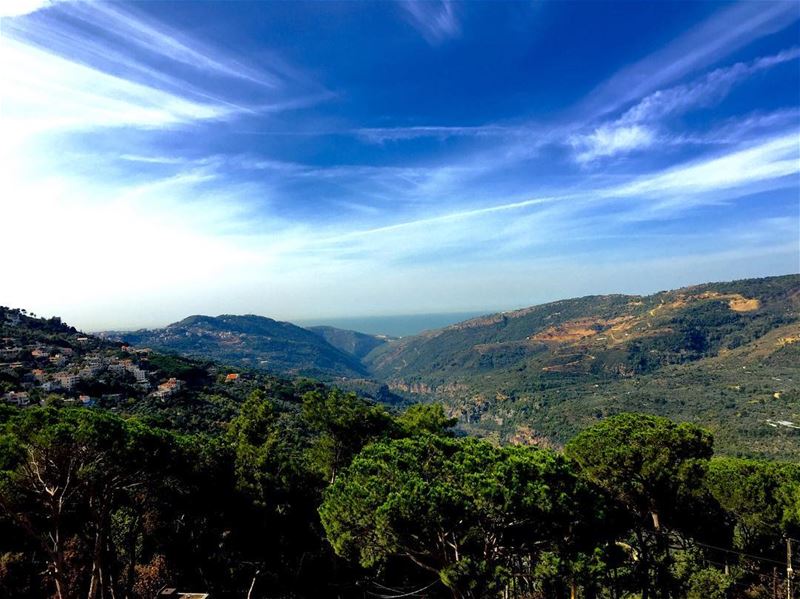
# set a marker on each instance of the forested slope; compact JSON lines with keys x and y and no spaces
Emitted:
{"x":250,"y":341}
{"x":721,"y":354}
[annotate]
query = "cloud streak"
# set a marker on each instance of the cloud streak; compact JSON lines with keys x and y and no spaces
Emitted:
{"x":436,"y":20}
{"x":638,"y":128}
{"x":722,"y":34}
{"x":17,"y":8}
{"x":166,"y":43}
{"x":87,"y":98}
{"x":111,"y":66}
{"x":704,"y":91}
{"x":162,"y":134}
{"x":384,"y":134}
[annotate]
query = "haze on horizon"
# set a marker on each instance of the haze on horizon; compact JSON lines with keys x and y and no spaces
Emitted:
{"x":336,"y":159}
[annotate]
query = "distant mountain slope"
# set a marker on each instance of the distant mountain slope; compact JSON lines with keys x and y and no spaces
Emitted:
{"x":726,"y":355}
{"x":716,"y":353}
{"x":351,"y":342}
{"x":252,"y":341}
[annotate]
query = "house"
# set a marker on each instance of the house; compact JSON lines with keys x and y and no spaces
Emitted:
{"x":232,"y":377}
{"x":58,"y":360}
{"x":19,"y":398}
{"x":169,"y":388}
{"x":139,"y":374}
{"x":117,"y":368}
{"x":89,"y":372}
{"x":95,"y":360}
{"x":66,"y":379}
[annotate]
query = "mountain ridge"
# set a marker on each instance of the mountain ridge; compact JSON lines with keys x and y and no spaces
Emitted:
{"x":252,"y":341}
{"x":707,"y":353}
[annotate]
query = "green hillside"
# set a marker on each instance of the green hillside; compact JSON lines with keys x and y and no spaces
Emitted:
{"x":351,"y":342}
{"x":721,"y":354}
{"x":251,"y":341}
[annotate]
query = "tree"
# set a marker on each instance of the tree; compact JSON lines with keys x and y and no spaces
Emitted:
{"x":748,"y":492}
{"x":467,"y":514}
{"x":649,"y":463}
{"x":655,"y":469}
{"x":423,"y":418}
{"x":62,"y":474}
{"x":343,"y":423}
{"x":276,"y":472}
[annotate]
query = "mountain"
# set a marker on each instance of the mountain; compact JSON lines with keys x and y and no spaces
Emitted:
{"x":250,"y":341}
{"x":726,"y":355}
{"x":350,"y":342}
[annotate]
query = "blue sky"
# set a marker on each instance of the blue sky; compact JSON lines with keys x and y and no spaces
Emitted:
{"x":329,"y":159}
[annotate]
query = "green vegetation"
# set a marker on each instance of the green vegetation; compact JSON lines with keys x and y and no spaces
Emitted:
{"x":351,"y":342}
{"x":327,"y":495}
{"x":251,"y":342}
{"x":722,"y":355}
{"x":242,"y":483}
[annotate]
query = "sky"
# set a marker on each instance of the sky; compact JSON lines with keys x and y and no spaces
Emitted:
{"x":311,"y":160}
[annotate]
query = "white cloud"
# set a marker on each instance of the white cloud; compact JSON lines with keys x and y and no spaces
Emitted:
{"x":704,"y":91}
{"x":722,"y":34}
{"x":436,"y":20}
{"x":638,"y":128}
{"x":97,"y":60}
{"x":610,"y":140}
{"x":169,"y":44}
{"x":384,"y":134}
{"x":768,"y":162}
{"x":17,"y":8}
{"x":43,"y":92}
{"x":771,"y":160}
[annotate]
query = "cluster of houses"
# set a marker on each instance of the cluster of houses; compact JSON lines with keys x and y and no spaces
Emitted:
{"x":48,"y":369}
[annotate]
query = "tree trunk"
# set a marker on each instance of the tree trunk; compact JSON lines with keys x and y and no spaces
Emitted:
{"x":644,"y":565}
{"x":252,"y":585}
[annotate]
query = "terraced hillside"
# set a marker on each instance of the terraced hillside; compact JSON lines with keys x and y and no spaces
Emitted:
{"x":723,"y":354}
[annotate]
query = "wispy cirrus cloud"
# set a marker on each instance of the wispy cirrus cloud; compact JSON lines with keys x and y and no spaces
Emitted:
{"x":111,"y":66}
{"x":706,"y":90}
{"x":384,"y":134}
{"x":641,"y":125}
{"x":16,"y":8}
{"x":772,"y":163}
{"x":436,"y":20}
{"x":722,"y":34}
{"x":86,"y":98}
{"x":610,"y":140}
{"x":154,"y":38}
{"x":772,"y":160}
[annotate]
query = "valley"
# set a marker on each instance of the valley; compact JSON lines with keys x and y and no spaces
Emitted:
{"x":723,"y":355}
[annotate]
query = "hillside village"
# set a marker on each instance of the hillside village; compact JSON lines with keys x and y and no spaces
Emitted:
{"x":45,"y":361}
